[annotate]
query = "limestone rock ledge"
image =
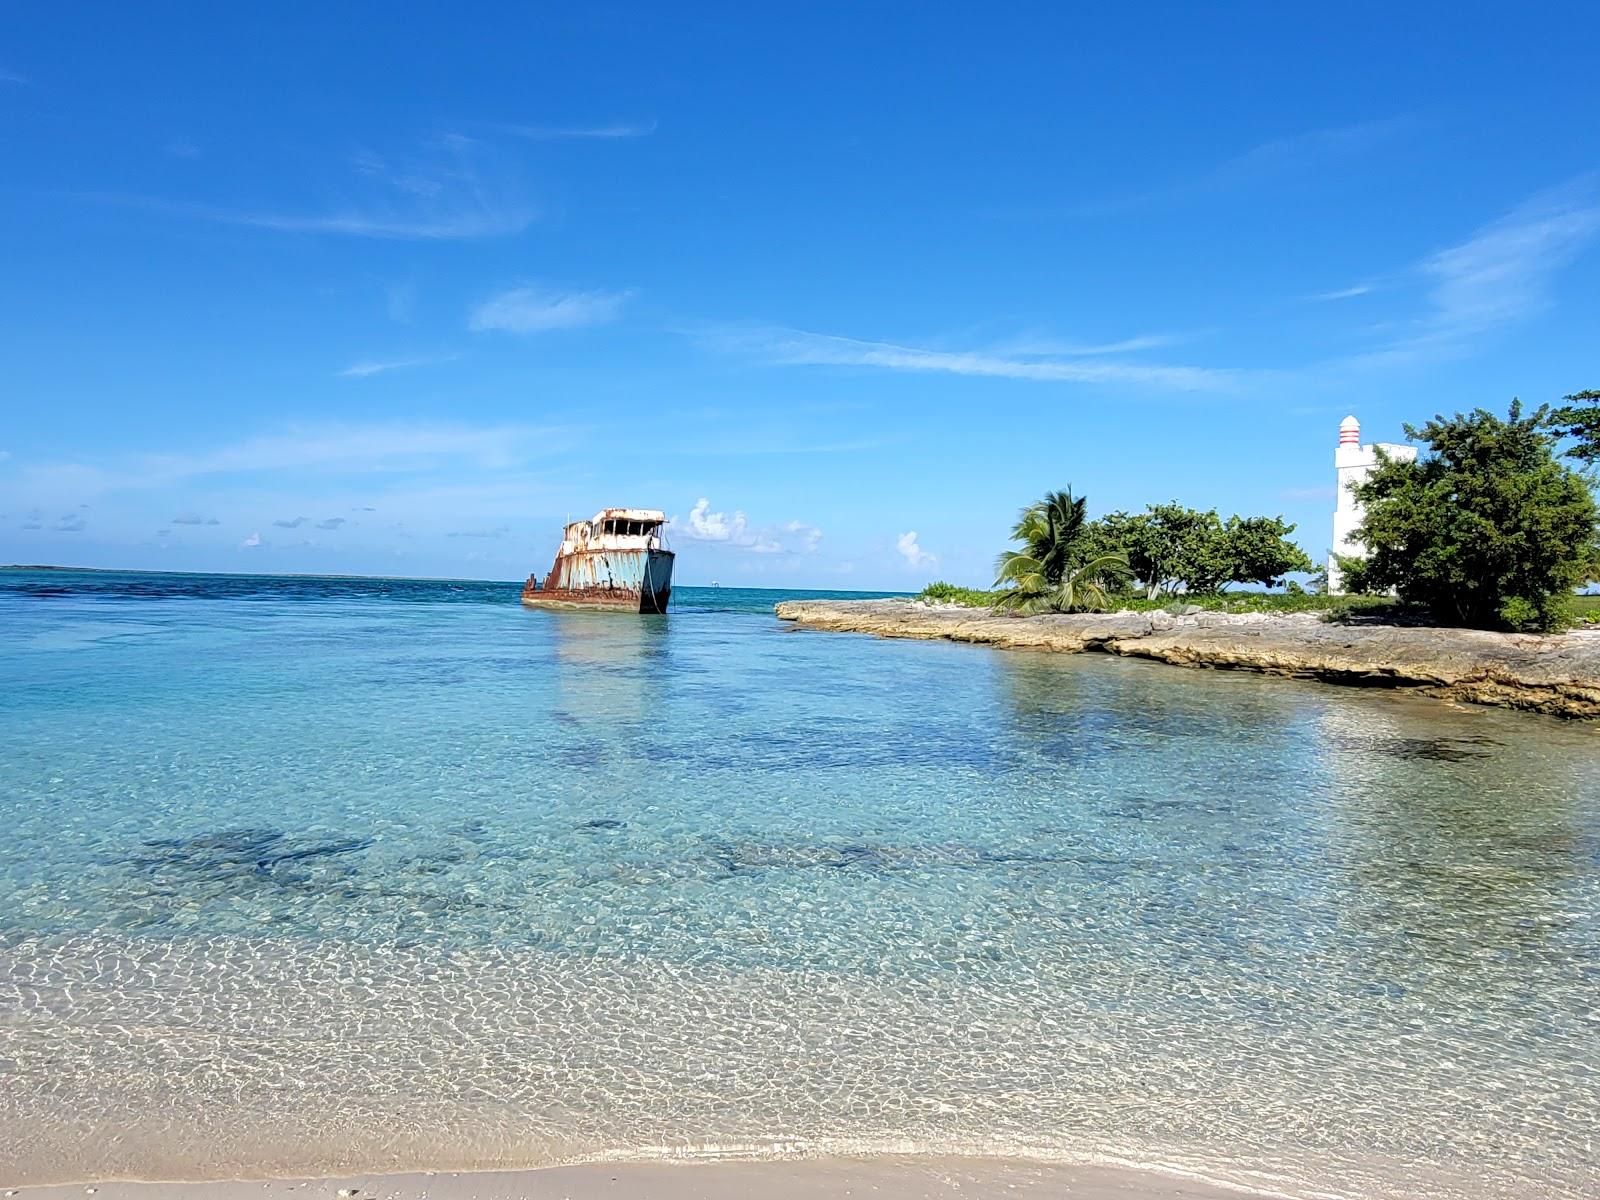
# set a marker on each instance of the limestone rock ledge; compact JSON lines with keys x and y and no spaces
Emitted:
{"x":1559,"y":674}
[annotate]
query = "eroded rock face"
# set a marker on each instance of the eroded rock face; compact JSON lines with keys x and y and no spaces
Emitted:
{"x":1558,"y":674}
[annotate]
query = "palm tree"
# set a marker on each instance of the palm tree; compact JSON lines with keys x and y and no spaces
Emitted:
{"x":1051,"y":571}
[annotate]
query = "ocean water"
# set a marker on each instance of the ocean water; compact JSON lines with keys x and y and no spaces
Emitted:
{"x":304,"y":875}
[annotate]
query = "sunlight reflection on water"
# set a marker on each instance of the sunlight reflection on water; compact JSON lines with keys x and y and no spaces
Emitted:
{"x":330,"y":879}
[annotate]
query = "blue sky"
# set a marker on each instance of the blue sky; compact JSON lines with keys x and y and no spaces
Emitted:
{"x":397,"y":289}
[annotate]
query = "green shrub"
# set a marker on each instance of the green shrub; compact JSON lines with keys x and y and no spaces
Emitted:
{"x":940,"y":592}
{"x":1334,"y":608}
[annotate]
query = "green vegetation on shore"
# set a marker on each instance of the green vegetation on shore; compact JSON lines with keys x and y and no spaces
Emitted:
{"x":1068,"y":563}
{"x":1334,"y":607}
{"x":1487,"y":529}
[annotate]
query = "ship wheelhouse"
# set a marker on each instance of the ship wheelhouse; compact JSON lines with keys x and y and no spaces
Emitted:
{"x":618,"y":559}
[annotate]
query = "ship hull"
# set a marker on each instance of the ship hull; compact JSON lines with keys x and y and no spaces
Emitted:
{"x":638,"y":581}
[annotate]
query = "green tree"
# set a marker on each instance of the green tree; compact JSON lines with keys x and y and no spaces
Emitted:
{"x":1487,"y":529}
{"x":1260,"y":551}
{"x":1060,"y":566}
{"x":1579,"y":419}
{"x":1171,"y":548}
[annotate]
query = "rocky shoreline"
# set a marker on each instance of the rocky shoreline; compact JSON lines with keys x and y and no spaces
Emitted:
{"x":1558,"y":674}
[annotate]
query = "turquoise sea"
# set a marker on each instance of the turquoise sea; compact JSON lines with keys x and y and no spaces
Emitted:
{"x":301,"y":874}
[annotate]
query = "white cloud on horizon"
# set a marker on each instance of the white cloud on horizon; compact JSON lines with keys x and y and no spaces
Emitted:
{"x":533,"y":309}
{"x":908,"y":549}
{"x":735,"y":529}
{"x":251,"y":542}
{"x":810,"y":536}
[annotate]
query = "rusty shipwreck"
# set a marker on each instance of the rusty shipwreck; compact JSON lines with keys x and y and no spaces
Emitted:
{"x":618,"y":561}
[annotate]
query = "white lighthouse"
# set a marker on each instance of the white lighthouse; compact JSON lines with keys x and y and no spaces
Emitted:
{"x":1352,"y":463}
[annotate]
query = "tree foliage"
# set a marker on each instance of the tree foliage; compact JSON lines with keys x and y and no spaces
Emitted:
{"x":1060,"y":567}
{"x":1260,"y":551}
{"x":1579,"y":419}
{"x":1487,"y":529}
{"x":1172,"y":549}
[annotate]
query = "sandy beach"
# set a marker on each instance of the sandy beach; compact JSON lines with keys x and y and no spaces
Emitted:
{"x":881,"y":1179}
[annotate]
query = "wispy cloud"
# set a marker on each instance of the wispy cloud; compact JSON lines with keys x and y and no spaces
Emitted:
{"x":798,"y":347}
{"x":459,"y":224}
{"x":1047,"y":347}
{"x":400,"y":451}
{"x":72,"y":523}
{"x":1349,"y":293}
{"x":533,"y":309}
{"x":441,"y":196}
{"x":182,"y":148}
{"x":292,"y":523}
{"x":13,"y":78}
{"x":1502,"y":274}
{"x":352,"y":448}
{"x":1296,"y":152}
{"x":499,"y":531}
{"x":252,"y":542}
{"x":400,"y":301}
{"x":1293,"y":156}
{"x":605,"y":132}
{"x":363,"y":370}
{"x":333,"y":523}
{"x":906,"y":546}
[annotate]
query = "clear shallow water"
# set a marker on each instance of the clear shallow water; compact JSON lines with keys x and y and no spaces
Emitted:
{"x":307,"y":874}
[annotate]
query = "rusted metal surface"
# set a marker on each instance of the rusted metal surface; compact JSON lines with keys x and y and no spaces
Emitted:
{"x":615,"y":561}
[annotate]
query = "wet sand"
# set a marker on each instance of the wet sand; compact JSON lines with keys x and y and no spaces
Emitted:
{"x":808,"y":1179}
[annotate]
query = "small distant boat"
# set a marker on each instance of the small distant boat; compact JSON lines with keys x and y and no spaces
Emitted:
{"x":617,"y":561}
